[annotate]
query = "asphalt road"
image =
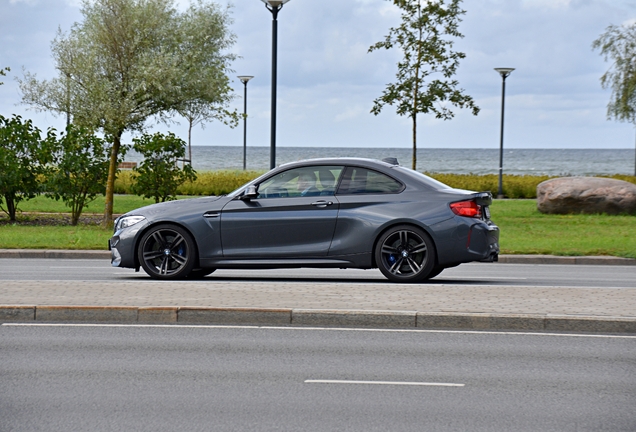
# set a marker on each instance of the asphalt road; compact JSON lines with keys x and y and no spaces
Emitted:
{"x":105,"y":378}
{"x":491,"y":274}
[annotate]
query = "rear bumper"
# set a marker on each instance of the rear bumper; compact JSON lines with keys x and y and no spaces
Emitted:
{"x":483,"y":242}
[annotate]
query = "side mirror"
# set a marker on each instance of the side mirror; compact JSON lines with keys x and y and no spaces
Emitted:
{"x":250,"y":192}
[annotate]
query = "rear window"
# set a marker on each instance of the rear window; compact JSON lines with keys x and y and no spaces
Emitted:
{"x":357,"y":180}
{"x":428,"y":181}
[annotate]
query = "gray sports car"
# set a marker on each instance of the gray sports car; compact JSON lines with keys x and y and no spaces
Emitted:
{"x":322,"y":213}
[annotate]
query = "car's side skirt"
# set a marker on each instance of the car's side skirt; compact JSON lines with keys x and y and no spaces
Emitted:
{"x":357,"y":261}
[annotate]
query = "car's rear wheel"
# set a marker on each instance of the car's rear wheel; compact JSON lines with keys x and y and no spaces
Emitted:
{"x":405,"y":253}
{"x":167,"y":252}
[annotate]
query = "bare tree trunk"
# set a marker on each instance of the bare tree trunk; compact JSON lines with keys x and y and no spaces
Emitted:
{"x":110,"y":183}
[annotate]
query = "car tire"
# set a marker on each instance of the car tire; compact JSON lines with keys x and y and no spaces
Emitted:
{"x":405,"y":253}
{"x":200,"y":273}
{"x":435,"y":272}
{"x":167,"y":252}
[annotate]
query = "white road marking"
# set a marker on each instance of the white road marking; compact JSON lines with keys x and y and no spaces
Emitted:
{"x":368,"y":330}
{"x":399,"y":383}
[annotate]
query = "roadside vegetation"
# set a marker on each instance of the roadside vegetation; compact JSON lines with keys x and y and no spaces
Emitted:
{"x":523,"y":229}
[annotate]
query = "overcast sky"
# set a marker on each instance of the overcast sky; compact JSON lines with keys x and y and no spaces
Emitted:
{"x":327,"y":81}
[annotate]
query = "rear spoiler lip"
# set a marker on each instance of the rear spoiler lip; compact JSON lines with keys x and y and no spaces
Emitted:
{"x":483,"y":198}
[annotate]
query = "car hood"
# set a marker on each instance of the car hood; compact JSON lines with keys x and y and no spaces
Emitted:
{"x":173,"y":207}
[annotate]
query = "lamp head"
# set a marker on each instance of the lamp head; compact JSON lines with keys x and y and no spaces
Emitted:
{"x":275,"y":4}
{"x":504,"y":72}
{"x":245,"y":78}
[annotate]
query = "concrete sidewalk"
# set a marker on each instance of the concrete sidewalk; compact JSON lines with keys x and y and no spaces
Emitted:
{"x":375,"y":304}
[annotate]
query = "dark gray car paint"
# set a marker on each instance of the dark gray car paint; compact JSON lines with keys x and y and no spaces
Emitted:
{"x":324,"y":231}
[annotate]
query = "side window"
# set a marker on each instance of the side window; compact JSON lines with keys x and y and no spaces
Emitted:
{"x":358,"y":180}
{"x":305,"y":181}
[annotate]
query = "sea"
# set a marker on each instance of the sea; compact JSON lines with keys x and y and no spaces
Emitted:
{"x":552,"y":162}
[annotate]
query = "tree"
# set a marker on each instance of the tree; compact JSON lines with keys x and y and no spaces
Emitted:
{"x":133,"y":60}
{"x":81,"y":170}
{"x":24,"y":156}
{"x":3,"y":72}
{"x":159,"y":176}
{"x":426,"y":54}
{"x":197,"y":113}
{"x":618,"y":44}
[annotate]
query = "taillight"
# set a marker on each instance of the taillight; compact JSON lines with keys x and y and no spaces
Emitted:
{"x":466,"y":208}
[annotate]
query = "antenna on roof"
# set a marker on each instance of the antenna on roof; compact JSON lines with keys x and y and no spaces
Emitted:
{"x":391,"y":160}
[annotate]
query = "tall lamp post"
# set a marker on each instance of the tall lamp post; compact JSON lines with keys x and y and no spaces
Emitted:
{"x":245,"y":79}
{"x":274,"y":6}
{"x":504,"y":72}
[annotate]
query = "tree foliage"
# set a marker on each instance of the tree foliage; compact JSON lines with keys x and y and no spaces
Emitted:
{"x":24,"y":156}
{"x":81,"y":169}
{"x":424,"y":79}
{"x":3,"y":72}
{"x":159,"y":175}
{"x":618,"y":44}
{"x":131,"y":60}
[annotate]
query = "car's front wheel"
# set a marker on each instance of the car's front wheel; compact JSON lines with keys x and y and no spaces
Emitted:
{"x":405,"y":253}
{"x":200,"y":273}
{"x":167,"y":252}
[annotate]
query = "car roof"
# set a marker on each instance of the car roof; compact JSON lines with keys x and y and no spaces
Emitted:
{"x":339,"y":161}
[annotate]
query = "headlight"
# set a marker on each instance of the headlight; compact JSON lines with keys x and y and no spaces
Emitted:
{"x":126,"y":221}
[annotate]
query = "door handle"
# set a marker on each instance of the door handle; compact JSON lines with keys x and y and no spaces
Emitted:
{"x":321,"y":203}
{"x":211,"y":214}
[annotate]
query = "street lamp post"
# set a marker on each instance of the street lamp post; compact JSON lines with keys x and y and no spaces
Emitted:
{"x":244,"y":79}
{"x":274,"y":6}
{"x":504,"y":72}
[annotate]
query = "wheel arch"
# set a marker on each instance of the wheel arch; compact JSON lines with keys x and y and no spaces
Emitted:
{"x":142,"y":232}
{"x":395,"y":223}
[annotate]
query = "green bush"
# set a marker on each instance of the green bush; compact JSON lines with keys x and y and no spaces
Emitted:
{"x":207,"y":183}
{"x":514,"y":186}
{"x":223,"y":182}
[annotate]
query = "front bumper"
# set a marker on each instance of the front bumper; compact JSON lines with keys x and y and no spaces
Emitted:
{"x":122,"y":246}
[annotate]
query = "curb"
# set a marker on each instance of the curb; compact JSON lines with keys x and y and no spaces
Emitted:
{"x":316,"y":318}
{"x":503,"y":259}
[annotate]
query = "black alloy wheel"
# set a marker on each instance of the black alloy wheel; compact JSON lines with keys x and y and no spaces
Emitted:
{"x":405,"y":253}
{"x":167,"y":252}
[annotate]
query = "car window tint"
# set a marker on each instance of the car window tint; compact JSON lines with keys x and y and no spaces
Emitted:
{"x":304,"y":181}
{"x":358,"y":180}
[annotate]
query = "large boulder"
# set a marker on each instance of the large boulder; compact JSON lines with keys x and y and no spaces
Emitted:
{"x":591,"y":195}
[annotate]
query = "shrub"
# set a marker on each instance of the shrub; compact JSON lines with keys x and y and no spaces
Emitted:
{"x":159,"y":176}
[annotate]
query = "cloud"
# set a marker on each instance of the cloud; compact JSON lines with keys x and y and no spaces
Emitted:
{"x":547,"y":4}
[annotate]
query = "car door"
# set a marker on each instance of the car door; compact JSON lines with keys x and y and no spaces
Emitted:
{"x":367,"y":200}
{"x":287,"y":219}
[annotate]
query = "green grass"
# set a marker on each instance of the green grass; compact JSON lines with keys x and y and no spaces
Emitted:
{"x":523,"y":230}
{"x":86,"y":237}
{"x":121,"y":204}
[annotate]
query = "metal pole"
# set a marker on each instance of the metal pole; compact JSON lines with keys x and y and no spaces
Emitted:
{"x":503,"y":98}
{"x":272,"y":149}
{"x":245,"y":126}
